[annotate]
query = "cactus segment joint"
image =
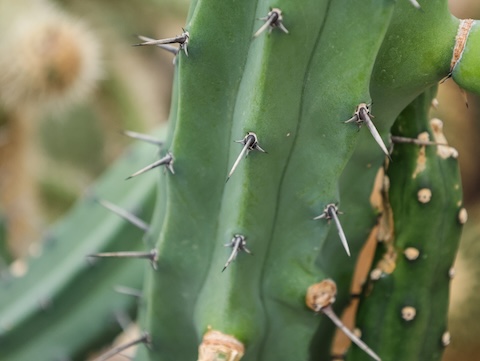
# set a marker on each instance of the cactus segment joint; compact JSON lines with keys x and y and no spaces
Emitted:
{"x":238,"y":243}
{"x":320,"y":297}
{"x":145,"y":339}
{"x":250,"y":142}
{"x":128,"y":216}
{"x":166,"y":161}
{"x":143,"y":137}
{"x":362,"y":116}
{"x":182,"y":40}
{"x":152,"y":256}
{"x":274,"y":19}
{"x":331,"y":212}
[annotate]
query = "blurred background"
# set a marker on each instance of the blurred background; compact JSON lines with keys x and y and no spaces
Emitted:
{"x":70,"y":82}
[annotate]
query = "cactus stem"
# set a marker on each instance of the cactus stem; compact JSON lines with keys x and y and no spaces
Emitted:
{"x":362,"y":116}
{"x":144,"y":137}
{"x":182,"y":39}
{"x":145,"y":339}
{"x":238,"y":243}
{"x":404,"y":140}
{"x":128,"y":216}
{"x":250,"y":142}
{"x":274,"y":19}
{"x":152,"y":256}
{"x":331,"y":212}
{"x":328,"y":311}
{"x":128,"y":291}
{"x":166,"y":161}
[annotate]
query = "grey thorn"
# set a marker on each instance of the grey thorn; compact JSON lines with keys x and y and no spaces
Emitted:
{"x":238,"y":243}
{"x":250,"y":142}
{"x":145,"y":339}
{"x":123,"y":319}
{"x":128,"y":216}
{"x":415,"y":4}
{"x":152,"y":256}
{"x":124,"y":290}
{"x":362,"y":116}
{"x":331,"y":212}
{"x":274,"y":19}
{"x":182,"y":39}
{"x":144,"y":137}
{"x":404,"y":140}
{"x":328,"y":311}
{"x":166,"y":161}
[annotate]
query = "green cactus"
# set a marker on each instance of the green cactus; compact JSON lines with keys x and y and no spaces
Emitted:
{"x":403,"y":313}
{"x":65,"y":304}
{"x":289,"y":98}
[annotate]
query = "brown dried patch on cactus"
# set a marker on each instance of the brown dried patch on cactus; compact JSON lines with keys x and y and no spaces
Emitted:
{"x":409,"y":313}
{"x":217,"y":346}
{"x":463,"y":216}
{"x":460,"y":41}
{"x":321,"y":295}
{"x":443,"y":151}
{"x":421,"y":158}
{"x":411,"y":253}
{"x":424,"y":195}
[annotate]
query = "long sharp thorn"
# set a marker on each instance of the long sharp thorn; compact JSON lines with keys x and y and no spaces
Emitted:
{"x":333,"y":214}
{"x":264,"y":27}
{"x":239,"y":244}
{"x":176,"y":39}
{"x":145,"y":338}
{"x":167,"y":47}
{"x":397,"y":139}
{"x":415,"y":4}
{"x":145,"y":137}
{"x":130,"y":217}
{"x":249,"y":142}
{"x":234,"y":253}
{"x":274,"y":19}
{"x":167,"y":160}
{"x":128,"y":291}
{"x":328,"y":311}
{"x":364,"y":116}
{"x":152,"y":256}
{"x":282,"y":27}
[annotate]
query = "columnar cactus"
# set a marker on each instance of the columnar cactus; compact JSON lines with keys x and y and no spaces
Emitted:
{"x":246,"y":250}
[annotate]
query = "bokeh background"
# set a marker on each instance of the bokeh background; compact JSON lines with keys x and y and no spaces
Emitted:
{"x":70,"y":81}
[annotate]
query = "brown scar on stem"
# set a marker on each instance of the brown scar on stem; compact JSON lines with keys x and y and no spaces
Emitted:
{"x":460,"y":40}
{"x":217,"y":345}
{"x":422,"y":157}
{"x":443,"y":151}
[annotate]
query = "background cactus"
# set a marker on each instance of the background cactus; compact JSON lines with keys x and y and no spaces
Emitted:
{"x":286,"y":88}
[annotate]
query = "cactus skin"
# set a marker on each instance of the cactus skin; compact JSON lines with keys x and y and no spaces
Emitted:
{"x":417,"y":284}
{"x":79,"y":298}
